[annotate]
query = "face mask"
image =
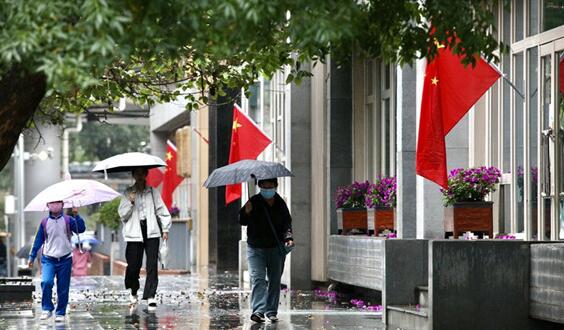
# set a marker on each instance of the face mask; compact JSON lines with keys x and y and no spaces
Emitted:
{"x":55,"y":208}
{"x":267,"y":193}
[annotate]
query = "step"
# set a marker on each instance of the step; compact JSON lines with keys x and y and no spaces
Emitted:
{"x":423,"y":296}
{"x":406,"y":317}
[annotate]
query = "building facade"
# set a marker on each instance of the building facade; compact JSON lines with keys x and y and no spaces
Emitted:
{"x":359,"y":121}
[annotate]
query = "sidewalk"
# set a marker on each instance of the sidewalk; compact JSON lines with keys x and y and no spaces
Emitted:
{"x":185,"y":302}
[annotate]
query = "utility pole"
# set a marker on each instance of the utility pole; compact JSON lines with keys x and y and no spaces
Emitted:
{"x":19,"y":171}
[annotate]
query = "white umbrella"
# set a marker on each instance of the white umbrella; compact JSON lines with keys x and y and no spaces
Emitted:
{"x":74,"y":193}
{"x":127,"y":162}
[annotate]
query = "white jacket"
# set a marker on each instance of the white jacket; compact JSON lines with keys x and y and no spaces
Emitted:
{"x":129,"y":214}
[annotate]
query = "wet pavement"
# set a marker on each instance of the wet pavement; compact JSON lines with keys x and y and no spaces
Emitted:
{"x":191,"y":302}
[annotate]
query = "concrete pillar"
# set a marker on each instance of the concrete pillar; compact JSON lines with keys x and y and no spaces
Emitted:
{"x":300,"y":148}
{"x":224,"y":229}
{"x":430,"y":209}
{"x":157,"y":141}
{"x":320,"y":200}
{"x":39,"y":174}
{"x":406,"y":128}
{"x":200,"y":209}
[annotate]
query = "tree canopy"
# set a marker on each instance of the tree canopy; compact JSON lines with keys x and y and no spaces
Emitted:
{"x":59,"y":56}
{"x":99,"y":141}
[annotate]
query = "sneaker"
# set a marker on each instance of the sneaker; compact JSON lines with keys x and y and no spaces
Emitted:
{"x":273,"y":318}
{"x":152,"y":302}
{"x":133,"y":299}
{"x":60,"y":318}
{"x":257,"y":317}
{"x":45,"y":315}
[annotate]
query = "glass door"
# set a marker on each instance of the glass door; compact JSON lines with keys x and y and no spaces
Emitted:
{"x":551,"y":141}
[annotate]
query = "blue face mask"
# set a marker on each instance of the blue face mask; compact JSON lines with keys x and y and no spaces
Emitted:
{"x":267,"y":193}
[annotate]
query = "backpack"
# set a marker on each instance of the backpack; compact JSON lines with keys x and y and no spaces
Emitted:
{"x":67,"y":221}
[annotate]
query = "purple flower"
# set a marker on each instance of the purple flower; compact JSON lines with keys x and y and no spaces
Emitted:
{"x":382,"y":193}
{"x":352,"y":196}
{"x":472,"y":184}
{"x":174,"y":211}
{"x":374,"y":308}
{"x":358,"y":303}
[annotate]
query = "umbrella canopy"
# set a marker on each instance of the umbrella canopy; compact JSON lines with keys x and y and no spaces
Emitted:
{"x":127,"y":162}
{"x":24,"y":251}
{"x":245,"y":170}
{"x":74,"y":193}
{"x":84,"y":238}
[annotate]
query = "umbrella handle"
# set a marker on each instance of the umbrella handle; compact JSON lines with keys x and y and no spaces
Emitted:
{"x":78,"y":236}
{"x":249,"y":186}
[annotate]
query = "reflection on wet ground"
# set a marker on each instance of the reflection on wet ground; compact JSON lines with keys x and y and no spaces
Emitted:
{"x":188,"y":302}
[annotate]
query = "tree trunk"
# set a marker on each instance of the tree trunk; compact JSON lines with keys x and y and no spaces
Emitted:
{"x":20,"y":95}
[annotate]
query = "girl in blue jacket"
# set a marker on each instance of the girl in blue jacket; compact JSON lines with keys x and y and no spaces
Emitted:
{"x":54,"y":234}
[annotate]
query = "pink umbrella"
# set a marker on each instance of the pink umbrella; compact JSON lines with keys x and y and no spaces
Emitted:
{"x":74,"y":193}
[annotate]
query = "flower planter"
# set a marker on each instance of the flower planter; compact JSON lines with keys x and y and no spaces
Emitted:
{"x":469,"y":216}
{"x":351,"y":218}
{"x":380,"y":219}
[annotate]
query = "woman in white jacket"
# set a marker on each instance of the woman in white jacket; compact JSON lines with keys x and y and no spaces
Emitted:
{"x":145,"y":219}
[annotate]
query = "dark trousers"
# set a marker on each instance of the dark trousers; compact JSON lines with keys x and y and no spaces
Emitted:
{"x":134,"y":258}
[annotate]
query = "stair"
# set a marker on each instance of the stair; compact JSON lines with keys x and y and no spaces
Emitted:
{"x":410,"y":317}
{"x":407,"y":317}
{"x":423,"y":296}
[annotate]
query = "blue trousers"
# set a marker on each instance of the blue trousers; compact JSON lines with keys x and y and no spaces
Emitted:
{"x":51,"y":268}
{"x":265,"y":295}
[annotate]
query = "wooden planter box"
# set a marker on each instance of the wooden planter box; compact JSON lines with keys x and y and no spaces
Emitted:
{"x":476,"y":217}
{"x":348,"y":219}
{"x":380,"y":219}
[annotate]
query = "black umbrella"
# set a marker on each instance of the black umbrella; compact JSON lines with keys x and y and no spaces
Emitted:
{"x":246,"y":170}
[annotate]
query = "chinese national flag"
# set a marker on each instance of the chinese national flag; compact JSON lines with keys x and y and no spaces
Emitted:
{"x":449,"y":91}
{"x":247,"y":142}
{"x":154,"y":177}
{"x":171,"y":179}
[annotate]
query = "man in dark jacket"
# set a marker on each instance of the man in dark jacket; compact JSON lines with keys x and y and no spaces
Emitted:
{"x":264,"y":215}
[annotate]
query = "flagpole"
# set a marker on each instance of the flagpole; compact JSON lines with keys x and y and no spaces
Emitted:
{"x":504,"y":76}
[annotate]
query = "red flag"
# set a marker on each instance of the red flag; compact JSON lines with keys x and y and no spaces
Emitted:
{"x":171,"y":179}
{"x":155,"y":177}
{"x":449,"y":91}
{"x":247,"y":142}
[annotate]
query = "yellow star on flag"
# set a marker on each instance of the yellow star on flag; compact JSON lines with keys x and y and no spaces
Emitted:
{"x":168,"y":155}
{"x":236,"y":125}
{"x":434,"y":80}
{"x":439,"y":46}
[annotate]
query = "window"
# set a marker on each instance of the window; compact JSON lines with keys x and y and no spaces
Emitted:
{"x":552,"y":14}
{"x":254,"y":103}
{"x":375,"y":121}
{"x":524,"y":145}
{"x":518,"y":8}
{"x":533,"y":17}
{"x":371,"y":147}
{"x":518,"y":138}
{"x":533,"y":92}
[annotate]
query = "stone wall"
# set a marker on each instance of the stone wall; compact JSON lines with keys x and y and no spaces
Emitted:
{"x":547,"y":282}
{"x":357,"y":260}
